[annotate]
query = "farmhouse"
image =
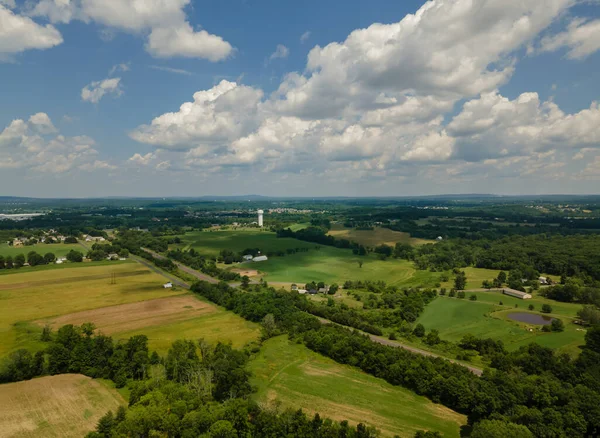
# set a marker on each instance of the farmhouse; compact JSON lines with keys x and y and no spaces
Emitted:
{"x":324,"y":290}
{"x":17,"y":243}
{"x":294,"y":287}
{"x":168,"y":285}
{"x":302,"y":291}
{"x":543,"y":280}
{"x":516,"y":294}
{"x":248,"y":257}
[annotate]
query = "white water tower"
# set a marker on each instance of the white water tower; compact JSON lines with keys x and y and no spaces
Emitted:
{"x":260,"y":218}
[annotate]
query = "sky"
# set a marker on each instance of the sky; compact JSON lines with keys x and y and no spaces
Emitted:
{"x":232,"y":97}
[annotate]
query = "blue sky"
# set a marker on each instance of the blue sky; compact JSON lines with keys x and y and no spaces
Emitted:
{"x":497,"y":96}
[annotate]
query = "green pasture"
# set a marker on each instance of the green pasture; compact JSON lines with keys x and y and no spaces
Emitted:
{"x":331,"y":265}
{"x":212,"y":242}
{"x":58,"y":249}
{"x":487,"y":318}
{"x":289,"y":375}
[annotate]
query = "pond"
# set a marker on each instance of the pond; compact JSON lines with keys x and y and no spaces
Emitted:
{"x":531,"y":318}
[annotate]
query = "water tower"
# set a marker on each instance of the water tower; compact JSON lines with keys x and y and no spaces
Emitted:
{"x":260,"y":218}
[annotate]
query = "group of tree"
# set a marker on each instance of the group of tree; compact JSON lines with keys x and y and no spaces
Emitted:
{"x":33,"y":259}
{"x":530,"y":389}
{"x":206,"y":265}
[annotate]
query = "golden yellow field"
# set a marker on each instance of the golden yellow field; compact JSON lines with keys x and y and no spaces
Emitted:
{"x":135,"y":304}
{"x":64,"y":406}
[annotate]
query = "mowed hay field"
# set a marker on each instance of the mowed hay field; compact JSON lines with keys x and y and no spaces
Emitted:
{"x":291,"y":376}
{"x":136,"y":304}
{"x":486,"y":318}
{"x":377,"y":236}
{"x":58,"y":249}
{"x":64,"y":406}
{"x":331,"y":265}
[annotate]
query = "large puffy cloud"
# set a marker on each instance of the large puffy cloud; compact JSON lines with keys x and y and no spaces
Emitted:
{"x":18,"y":33}
{"x":379,"y":103}
{"x":494,"y":126}
{"x":448,"y":49}
{"x":582,"y":38}
{"x":220,"y":114}
{"x":163,"y":21}
{"x":29,"y":145}
{"x":95,"y":91}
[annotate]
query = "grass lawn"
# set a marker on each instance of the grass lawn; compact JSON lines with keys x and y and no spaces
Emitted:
{"x":291,"y":376}
{"x":476,"y":276}
{"x":485,"y":318}
{"x":68,"y":405}
{"x":377,"y":236}
{"x":58,"y":249}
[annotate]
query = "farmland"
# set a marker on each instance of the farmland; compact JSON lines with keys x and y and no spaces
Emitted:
{"x":291,"y":376}
{"x":212,"y":242}
{"x":377,"y":236}
{"x":136,"y":303}
{"x":58,"y":249}
{"x":63,"y":406}
{"x":485,"y":318}
{"x":319,"y":263}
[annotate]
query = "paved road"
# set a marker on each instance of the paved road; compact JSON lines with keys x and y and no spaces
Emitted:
{"x":176,"y":281}
{"x":199,"y":275}
{"x":389,"y":343}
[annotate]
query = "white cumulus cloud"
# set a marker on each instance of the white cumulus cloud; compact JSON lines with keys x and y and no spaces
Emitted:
{"x":95,"y":91}
{"x":281,"y":52}
{"x":163,"y":22}
{"x":582,"y":38}
{"x":19,"y":33}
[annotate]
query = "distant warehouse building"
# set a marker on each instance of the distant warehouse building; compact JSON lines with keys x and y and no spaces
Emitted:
{"x":517,"y":294}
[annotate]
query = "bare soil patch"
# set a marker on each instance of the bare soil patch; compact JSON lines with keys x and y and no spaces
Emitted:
{"x":134,"y":316}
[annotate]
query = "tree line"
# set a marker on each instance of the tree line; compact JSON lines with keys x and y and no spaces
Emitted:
{"x":531,"y":390}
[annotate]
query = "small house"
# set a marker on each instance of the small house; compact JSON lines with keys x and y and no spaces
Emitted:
{"x":302,"y":291}
{"x":294,"y":287}
{"x":168,"y":285}
{"x":261,"y":258}
{"x":248,"y":257}
{"x":113,"y":256}
{"x":439,"y":238}
{"x":59,"y":262}
{"x":313,"y":292}
{"x":324,"y":290}
{"x":543,"y":280}
{"x":17,"y":243}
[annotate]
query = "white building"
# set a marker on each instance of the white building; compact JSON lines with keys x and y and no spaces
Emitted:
{"x":260,"y":218}
{"x":168,"y":285}
{"x":261,"y":258}
{"x":517,"y":294}
{"x":248,"y":257}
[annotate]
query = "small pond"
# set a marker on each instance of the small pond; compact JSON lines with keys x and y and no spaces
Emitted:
{"x":531,"y":318}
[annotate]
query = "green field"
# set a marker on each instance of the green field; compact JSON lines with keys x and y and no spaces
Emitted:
{"x":485,"y":318}
{"x":212,"y":242}
{"x":377,"y":236}
{"x":58,"y":249}
{"x":336,"y":265}
{"x":75,"y":295}
{"x":291,"y":376}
